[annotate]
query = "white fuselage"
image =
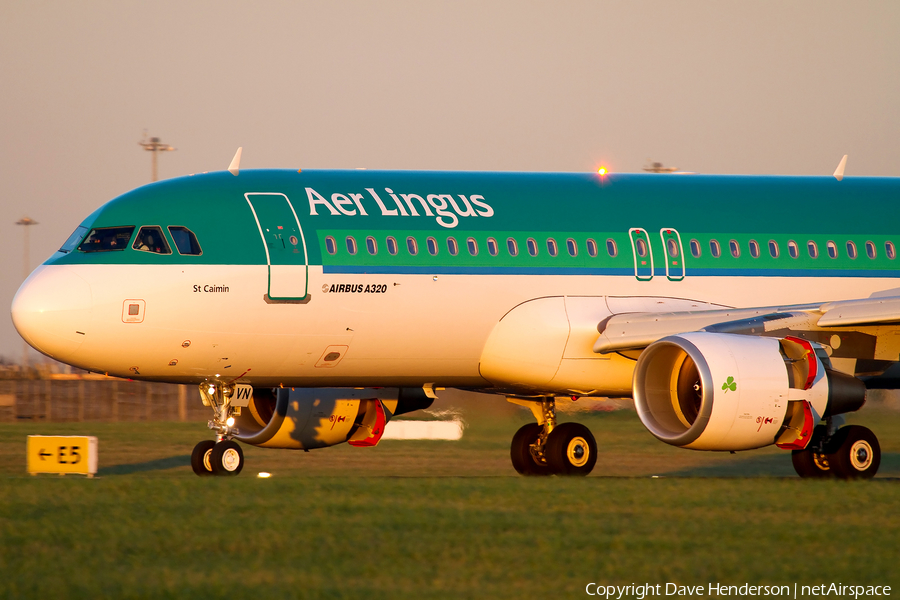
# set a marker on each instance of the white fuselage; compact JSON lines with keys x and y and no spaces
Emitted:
{"x":196,"y":321}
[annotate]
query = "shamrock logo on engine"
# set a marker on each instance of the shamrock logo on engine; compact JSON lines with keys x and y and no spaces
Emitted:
{"x":730,"y":384}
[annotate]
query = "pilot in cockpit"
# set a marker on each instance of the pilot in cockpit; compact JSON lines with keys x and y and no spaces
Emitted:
{"x":147,"y":243}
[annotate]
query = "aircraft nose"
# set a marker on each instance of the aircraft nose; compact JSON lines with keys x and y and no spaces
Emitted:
{"x":52,"y":311}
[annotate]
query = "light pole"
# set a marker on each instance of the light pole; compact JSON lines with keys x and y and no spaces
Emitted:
{"x":155,"y":146}
{"x":26,"y":264}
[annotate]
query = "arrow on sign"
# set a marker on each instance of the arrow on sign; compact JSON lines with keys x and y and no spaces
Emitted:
{"x":42,"y":454}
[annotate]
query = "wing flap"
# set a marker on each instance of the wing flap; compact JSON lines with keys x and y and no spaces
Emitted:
{"x":870,"y":311}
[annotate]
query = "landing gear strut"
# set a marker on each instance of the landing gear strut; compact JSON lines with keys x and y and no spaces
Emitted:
{"x":548,"y":448}
{"x":851,"y":452}
{"x":223,"y":456}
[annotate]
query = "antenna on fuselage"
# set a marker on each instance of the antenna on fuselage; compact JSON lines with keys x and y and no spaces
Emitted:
{"x":235,"y":165}
{"x":839,"y":172}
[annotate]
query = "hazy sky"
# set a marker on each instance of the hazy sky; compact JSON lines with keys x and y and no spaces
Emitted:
{"x":716,"y":87}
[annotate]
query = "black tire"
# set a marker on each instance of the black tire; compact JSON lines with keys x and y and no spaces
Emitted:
{"x":854,"y":453}
{"x":810,"y":463}
{"x":227,"y":458}
{"x":571,"y":450}
{"x":200,"y":458}
{"x":520,"y":451}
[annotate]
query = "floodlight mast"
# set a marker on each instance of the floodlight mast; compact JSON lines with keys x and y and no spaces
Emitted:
{"x":26,"y":263}
{"x":154,"y":145}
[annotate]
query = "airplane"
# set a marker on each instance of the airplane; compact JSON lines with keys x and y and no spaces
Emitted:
{"x":310,"y":307}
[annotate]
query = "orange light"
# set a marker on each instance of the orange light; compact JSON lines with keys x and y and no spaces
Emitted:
{"x":601,"y":171}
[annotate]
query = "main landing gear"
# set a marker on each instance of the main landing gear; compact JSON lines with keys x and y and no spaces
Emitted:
{"x":851,"y":452}
{"x":223,"y":456}
{"x":548,"y":448}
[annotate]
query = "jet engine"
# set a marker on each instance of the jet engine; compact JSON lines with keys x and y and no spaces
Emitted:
{"x":307,"y":418}
{"x":716,"y":391}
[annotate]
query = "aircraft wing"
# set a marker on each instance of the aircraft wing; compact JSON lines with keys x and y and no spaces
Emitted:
{"x":870,"y":311}
{"x":870,"y":317}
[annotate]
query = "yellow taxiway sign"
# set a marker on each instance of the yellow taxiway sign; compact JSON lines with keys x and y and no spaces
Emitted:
{"x":62,"y":454}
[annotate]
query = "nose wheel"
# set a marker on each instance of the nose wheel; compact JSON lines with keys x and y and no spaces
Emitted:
{"x":200,"y":458}
{"x":223,"y":458}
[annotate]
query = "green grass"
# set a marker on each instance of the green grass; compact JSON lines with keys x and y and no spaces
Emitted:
{"x":433,"y":519}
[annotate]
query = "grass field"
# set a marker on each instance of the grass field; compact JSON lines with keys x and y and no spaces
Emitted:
{"x":422,"y":519}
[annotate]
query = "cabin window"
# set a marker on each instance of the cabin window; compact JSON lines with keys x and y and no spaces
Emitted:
{"x":572,"y":247}
{"x":591,"y":247}
{"x":351,"y":244}
{"x":889,"y":250}
{"x":492,"y":246}
{"x":813,"y":249}
{"x":105,"y":239}
{"x":391,"y":245}
{"x":432,"y":245}
{"x":551,"y":247}
{"x":715,"y":249}
{"x":330,"y":245}
{"x":754,"y":248}
{"x":371,"y":245}
{"x":72,"y":241}
{"x":695,"y":248}
{"x":851,"y":250}
{"x":735,"y":248}
{"x":672,"y":247}
{"x":773,"y":248}
{"x":151,"y":239}
{"x":793,"y":249}
{"x":412,"y":245}
{"x":870,"y":250}
{"x":640,"y":247}
{"x":532,"y":246}
{"x":472,"y":245}
{"x":452,"y":246}
{"x":611,"y":248}
{"x":832,"y":249}
{"x":185,"y":241}
{"x":512,"y":247}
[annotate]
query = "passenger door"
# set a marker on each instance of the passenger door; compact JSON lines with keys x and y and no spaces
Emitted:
{"x":643,"y":254}
{"x":673,"y":252}
{"x":282,"y":237}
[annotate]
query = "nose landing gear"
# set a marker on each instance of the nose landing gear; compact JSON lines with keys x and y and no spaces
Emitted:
{"x":224,"y":456}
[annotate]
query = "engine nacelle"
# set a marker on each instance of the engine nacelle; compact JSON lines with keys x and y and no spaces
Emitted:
{"x":716,"y":391}
{"x":307,"y":418}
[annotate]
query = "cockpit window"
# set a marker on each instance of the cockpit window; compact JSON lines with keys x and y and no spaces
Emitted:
{"x":73,"y":240}
{"x":105,"y":239}
{"x":151,"y":239}
{"x":185,"y":240}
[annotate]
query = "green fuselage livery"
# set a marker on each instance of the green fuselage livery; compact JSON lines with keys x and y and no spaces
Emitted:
{"x":541,"y":206}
